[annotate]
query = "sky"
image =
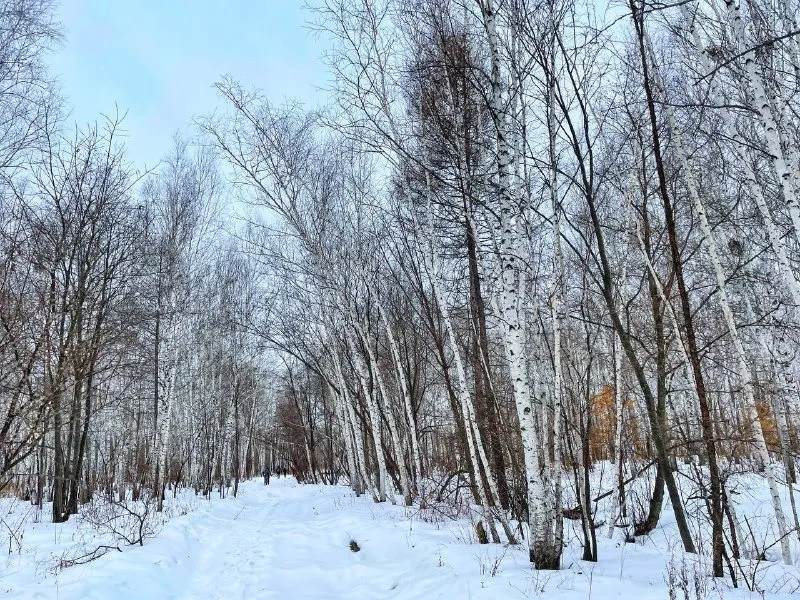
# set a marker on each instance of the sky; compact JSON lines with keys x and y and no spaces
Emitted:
{"x":158,"y":60}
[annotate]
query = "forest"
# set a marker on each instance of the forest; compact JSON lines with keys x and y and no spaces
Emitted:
{"x":535,"y":264}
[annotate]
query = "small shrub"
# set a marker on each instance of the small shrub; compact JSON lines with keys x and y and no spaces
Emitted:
{"x":354,"y":547}
{"x":686,"y":581}
{"x":490,"y":565}
{"x":125,"y":521}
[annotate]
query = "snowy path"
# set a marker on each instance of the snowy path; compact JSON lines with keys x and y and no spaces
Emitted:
{"x":282,"y":541}
{"x":291,"y":542}
{"x":232,"y":554}
{"x":281,"y":544}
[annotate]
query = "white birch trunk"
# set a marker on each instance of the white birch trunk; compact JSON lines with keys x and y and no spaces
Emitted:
{"x":779,"y":415}
{"x":745,"y":375}
{"x":773,"y":234}
{"x":474,"y":441}
{"x":558,"y":307}
{"x":358,"y":439}
{"x":165,"y":412}
{"x":477,"y":452}
{"x":540,"y":514}
{"x":374,"y":417}
{"x":787,"y":176}
{"x":390,"y":418}
{"x":407,"y":400}
{"x":347,"y":434}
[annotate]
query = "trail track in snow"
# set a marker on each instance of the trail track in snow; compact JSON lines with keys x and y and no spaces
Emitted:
{"x":291,"y":541}
{"x":281,"y":544}
{"x":282,"y":541}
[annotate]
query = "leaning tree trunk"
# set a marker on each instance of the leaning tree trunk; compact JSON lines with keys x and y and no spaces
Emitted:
{"x":390,"y":418}
{"x":408,"y":403}
{"x":786,"y":174}
{"x":475,"y":441}
{"x":745,"y":374}
{"x":718,"y":99}
{"x":353,"y":435}
{"x":374,"y":417}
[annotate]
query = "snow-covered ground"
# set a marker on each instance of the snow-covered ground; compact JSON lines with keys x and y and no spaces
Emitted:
{"x":290,"y":541}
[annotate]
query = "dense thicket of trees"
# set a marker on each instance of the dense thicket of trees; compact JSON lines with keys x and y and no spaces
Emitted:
{"x":523,"y":239}
{"x":126,"y":363}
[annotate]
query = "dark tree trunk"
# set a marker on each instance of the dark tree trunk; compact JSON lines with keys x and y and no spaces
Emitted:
{"x":686,"y":309}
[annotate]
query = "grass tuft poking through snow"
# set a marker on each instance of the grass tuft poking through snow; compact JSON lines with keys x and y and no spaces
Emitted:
{"x":354,"y":547}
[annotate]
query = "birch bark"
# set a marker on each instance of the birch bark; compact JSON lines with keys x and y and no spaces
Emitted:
{"x":542,"y":551}
{"x":745,"y":375}
{"x":407,"y":400}
{"x":716,"y":96}
{"x":374,"y":415}
{"x":390,"y":418}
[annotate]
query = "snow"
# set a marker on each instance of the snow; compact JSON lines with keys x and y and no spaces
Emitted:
{"x":288,"y":540}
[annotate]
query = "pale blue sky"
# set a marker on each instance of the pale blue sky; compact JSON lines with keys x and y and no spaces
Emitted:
{"x":159,"y":59}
